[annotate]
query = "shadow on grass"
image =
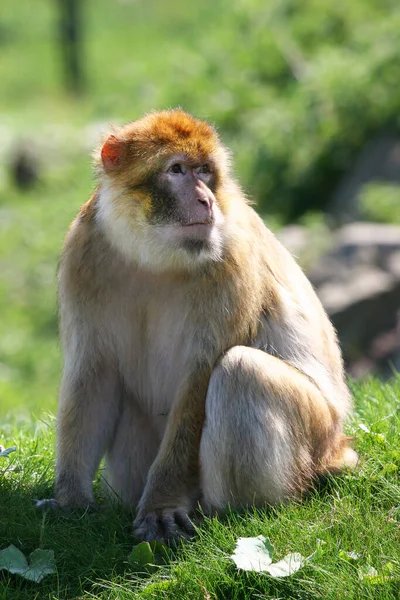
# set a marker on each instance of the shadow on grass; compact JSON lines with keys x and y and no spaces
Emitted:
{"x":91,"y":549}
{"x":87,"y":546}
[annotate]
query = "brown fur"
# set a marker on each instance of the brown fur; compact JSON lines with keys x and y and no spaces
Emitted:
{"x":219,"y":377}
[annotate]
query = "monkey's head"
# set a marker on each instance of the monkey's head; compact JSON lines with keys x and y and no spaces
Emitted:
{"x":164,"y":188}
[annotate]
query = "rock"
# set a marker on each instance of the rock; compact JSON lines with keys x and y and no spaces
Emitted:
{"x":368,"y":244}
{"x":307,"y":244}
{"x":295,"y":238}
{"x":358,"y":282}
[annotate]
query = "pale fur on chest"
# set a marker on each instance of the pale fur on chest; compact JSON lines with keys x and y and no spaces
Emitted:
{"x":154,"y":340}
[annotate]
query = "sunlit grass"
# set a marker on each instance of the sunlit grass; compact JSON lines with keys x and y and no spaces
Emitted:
{"x":358,"y":512}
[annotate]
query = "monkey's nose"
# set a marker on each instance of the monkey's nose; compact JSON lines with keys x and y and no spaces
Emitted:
{"x":206,"y":201}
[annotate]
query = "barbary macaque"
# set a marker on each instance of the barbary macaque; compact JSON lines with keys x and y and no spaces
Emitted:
{"x":197,"y":358}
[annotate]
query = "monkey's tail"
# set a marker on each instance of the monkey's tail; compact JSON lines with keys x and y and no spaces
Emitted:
{"x":343,"y":458}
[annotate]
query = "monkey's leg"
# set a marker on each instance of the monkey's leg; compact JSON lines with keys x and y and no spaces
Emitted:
{"x":267,"y":431}
{"x":173,"y":479}
{"x":131,"y":453}
{"x":86,"y":421}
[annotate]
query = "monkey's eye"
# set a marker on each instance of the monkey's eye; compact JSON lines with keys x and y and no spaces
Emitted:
{"x":204,"y":169}
{"x":176,"y":168}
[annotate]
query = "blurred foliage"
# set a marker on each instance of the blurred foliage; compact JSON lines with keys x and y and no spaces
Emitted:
{"x":32,"y":229}
{"x":380,"y":202}
{"x":295,"y":87}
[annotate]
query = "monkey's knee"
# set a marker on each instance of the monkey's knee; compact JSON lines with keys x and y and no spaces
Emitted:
{"x":249,"y":452}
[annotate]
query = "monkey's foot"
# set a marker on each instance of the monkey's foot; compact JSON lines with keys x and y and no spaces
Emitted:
{"x":51,"y":504}
{"x":165,"y":525}
{"x":47,"y":504}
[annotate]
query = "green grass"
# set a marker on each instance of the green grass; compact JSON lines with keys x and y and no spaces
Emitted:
{"x":357,"y":512}
{"x":32,"y":228}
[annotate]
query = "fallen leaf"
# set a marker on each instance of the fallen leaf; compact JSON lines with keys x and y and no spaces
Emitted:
{"x":41,"y":563}
{"x":287,"y":566}
{"x":255,"y":554}
{"x":349,"y":556}
{"x":7,"y":451}
{"x":366,"y":572}
{"x":363,"y":427}
{"x":142,"y":558}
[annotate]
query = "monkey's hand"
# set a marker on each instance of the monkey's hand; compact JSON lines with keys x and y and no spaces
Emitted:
{"x":173,"y":479}
{"x":52,"y":505}
{"x":164,"y":524}
{"x":162,"y":513}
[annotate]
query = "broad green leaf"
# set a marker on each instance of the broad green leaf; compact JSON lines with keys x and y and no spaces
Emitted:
{"x":371,"y":575}
{"x":318,"y":552}
{"x":287,"y":566}
{"x":41,"y":563}
{"x":253,"y":554}
{"x":161,"y":552}
{"x":389,"y":568}
{"x":13,"y":560}
{"x":142,"y":557}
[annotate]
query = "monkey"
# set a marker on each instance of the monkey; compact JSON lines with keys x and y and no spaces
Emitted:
{"x":198,"y":360}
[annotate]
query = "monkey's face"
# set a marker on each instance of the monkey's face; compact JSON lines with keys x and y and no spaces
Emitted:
{"x":184,"y":207}
{"x":159,"y":198}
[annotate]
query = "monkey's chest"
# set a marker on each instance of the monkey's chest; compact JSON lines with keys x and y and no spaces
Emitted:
{"x":156,"y":348}
{"x":164,"y":332}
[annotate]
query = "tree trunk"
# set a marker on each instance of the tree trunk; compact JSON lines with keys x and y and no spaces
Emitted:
{"x":71,"y":43}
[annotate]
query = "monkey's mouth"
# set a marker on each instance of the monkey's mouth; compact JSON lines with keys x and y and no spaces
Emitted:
{"x":198,"y":230}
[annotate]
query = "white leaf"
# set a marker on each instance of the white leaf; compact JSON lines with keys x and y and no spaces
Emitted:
{"x":349,"y":556}
{"x":253,"y":554}
{"x":367,"y":572}
{"x":363,"y":427}
{"x":287,"y":566}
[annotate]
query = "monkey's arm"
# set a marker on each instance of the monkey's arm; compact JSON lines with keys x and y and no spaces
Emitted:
{"x":86,"y":419}
{"x":173,"y":477}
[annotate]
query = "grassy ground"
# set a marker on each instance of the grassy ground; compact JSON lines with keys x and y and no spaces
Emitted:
{"x":357,"y":512}
{"x":140,"y":56}
{"x":144,"y":55}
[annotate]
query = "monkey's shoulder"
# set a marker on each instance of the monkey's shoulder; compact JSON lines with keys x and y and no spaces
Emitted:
{"x":87,"y":263}
{"x":286,"y":290}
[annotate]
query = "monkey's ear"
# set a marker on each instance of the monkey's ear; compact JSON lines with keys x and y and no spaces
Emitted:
{"x":112,"y":153}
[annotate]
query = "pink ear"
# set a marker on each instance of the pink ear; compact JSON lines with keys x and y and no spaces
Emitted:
{"x":112,"y":153}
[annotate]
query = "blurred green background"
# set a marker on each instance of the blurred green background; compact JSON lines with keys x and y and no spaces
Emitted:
{"x":295,"y":87}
